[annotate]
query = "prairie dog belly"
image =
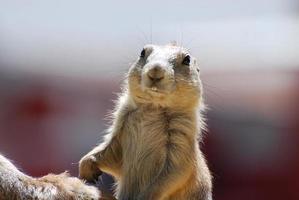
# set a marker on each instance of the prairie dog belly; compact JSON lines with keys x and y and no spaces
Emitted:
{"x":144,"y":148}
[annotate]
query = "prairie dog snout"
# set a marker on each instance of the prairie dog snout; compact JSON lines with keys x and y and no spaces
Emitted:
{"x":156,"y":73}
{"x":157,"y":76}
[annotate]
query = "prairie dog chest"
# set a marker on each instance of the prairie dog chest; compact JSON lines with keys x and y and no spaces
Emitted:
{"x":151,"y":131}
{"x":145,"y":128}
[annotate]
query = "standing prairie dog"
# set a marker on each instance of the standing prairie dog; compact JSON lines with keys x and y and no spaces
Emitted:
{"x":152,"y":146}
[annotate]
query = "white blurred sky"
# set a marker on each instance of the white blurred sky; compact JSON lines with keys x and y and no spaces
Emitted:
{"x":100,"y":37}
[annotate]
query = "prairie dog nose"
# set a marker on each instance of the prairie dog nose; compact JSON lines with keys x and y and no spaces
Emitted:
{"x":156,"y":73}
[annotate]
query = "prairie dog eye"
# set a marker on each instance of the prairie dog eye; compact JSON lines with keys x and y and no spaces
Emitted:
{"x":186,"y":60}
{"x":142,"y":54}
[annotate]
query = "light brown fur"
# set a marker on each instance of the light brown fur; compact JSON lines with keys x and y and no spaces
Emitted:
{"x":152,"y":146}
{"x":14,"y":185}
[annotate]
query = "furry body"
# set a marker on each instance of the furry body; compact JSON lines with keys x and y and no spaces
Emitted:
{"x":14,"y":185}
{"x":152,"y":146}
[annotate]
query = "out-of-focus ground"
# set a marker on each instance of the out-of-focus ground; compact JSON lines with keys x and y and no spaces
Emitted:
{"x":62,"y":63}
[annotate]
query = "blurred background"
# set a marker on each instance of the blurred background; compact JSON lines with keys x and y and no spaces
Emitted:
{"x":62,"y":63}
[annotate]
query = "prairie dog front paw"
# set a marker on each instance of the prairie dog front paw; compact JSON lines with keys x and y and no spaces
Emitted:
{"x":88,"y":168}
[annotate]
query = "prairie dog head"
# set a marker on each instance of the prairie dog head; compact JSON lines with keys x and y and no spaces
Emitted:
{"x":165,"y":76}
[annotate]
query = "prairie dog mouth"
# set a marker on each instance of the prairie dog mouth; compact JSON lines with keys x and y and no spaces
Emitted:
{"x":163,"y":87}
{"x":154,"y":88}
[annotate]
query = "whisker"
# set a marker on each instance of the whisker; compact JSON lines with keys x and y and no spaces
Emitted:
{"x":143,"y":34}
{"x":151,"y":29}
{"x":182,"y":36}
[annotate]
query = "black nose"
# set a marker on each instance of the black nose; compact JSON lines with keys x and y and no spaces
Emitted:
{"x":156,"y":74}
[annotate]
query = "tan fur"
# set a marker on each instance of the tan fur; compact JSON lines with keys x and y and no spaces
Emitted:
{"x":152,"y":146}
{"x":14,"y":185}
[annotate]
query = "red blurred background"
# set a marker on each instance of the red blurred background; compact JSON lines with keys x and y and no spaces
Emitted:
{"x":62,"y":63}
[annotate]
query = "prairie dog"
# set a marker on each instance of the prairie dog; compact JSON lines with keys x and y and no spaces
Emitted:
{"x":152,"y":146}
{"x":14,"y":185}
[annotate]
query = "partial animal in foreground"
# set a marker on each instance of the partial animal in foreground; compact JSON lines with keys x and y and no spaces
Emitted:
{"x":15,"y":185}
